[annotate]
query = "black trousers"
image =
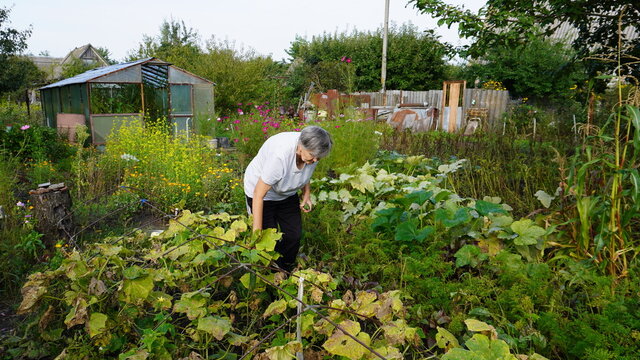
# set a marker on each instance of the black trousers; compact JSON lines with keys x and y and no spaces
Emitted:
{"x":285,"y":216}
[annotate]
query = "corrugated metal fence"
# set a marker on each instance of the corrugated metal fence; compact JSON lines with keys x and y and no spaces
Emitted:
{"x":496,"y":101}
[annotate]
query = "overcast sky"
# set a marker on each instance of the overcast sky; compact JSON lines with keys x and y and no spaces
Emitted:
{"x":267,"y":26}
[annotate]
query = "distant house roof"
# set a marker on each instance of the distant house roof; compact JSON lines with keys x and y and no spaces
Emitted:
{"x":53,"y":65}
{"x":85,"y":52}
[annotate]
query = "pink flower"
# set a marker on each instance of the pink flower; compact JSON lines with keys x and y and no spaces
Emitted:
{"x":236,"y":121}
{"x":240,"y":112}
{"x":246,"y":139}
{"x":337,"y":126}
{"x":235,"y":140}
{"x":219,"y":119}
{"x":239,"y":104}
{"x":24,"y":127}
{"x":343,"y":58}
{"x":296,"y":129}
{"x":348,"y":60}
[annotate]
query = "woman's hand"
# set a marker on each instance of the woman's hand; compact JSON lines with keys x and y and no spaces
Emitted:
{"x":305,"y":203}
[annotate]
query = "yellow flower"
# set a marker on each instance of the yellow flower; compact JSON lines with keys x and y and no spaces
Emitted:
{"x":58,"y":245}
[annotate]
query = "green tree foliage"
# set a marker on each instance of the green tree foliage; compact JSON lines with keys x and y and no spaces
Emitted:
{"x":12,"y":41}
{"x":509,"y":23}
{"x":539,"y":69}
{"x":106,"y":55}
{"x":240,"y":75}
{"x":176,"y":43}
{"x":16,"y":72}
{"x":76,"y":66}
{"x":352,"y":61}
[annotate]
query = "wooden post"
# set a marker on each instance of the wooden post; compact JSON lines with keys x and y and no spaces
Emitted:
{"x":52,"y":211}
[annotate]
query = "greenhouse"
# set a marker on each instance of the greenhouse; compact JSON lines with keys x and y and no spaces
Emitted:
{"x":103,"y":98}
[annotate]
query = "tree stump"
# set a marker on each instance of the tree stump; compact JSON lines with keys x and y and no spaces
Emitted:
{"x":52,"y":211}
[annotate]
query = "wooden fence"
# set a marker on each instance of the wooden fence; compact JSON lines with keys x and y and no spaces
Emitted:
{"x":496,"y":101}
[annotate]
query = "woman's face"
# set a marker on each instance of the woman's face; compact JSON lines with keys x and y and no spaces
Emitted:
{"x":305,"y":156}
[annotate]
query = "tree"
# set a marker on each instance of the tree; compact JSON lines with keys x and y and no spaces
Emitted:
{"x":415,"y":60}
{"x":176,"y":44}
{"x":12,"y":41}
{"x":106,"y":55}
{"x":16,"y":72}
{"x":539,"y":69}
{"x":240,"y":75}
{"x":508,"y":24}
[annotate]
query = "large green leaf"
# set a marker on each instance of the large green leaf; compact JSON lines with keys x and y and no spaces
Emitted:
{"x":192,"y":304}
{"x":485,"y":208}
{"x":214,"y":325}
{"x":451,"y":219}
{"x":408,"y":231}
{"x":481,"y":348}
{"x":416,"y":197}
{"x":137,"y":289}
{"x":363,"y":182}
{"x":470,"y":255}
{"x":528,"y":232}
{"x":97,"y":324}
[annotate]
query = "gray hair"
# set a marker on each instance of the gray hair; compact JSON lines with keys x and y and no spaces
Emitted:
{"x":316,"y":140}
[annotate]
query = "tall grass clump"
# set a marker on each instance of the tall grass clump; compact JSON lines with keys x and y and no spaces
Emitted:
{"x":511,"y":169}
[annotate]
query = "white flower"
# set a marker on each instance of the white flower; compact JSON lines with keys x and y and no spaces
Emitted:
{"x":128,"y":157}
{"x":377,"y":132}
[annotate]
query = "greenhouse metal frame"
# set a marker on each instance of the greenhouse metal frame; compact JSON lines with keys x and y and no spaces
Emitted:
{"x":147,"y":89}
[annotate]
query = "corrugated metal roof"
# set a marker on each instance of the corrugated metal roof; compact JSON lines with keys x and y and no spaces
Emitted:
{"x":95,"y":73}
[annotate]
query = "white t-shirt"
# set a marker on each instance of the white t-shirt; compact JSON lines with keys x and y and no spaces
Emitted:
{"x":276,"y":165}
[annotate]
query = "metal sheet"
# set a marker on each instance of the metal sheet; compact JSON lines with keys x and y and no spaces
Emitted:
{"x":95,"y":73}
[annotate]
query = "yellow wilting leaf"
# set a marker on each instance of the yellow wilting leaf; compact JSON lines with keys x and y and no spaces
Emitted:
{"x":365,"y":303}
{"x":446,"y":340}
{"x":32,"y":291}
{"x":397,"y":332}
{"x":239,"y":226}
{"x":284,"y":352}
{"x":276,"y":307}
{"x":481,"y":327}
{"x":389,"y":353}
{"x":78,"y":313}
{"x":216,"y":326}
{"x":341,"y":344}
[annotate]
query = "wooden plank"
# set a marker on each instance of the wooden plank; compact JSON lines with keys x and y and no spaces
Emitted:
{"x":454,"y":98}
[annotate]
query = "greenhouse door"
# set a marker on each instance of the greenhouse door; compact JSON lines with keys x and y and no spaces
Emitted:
{"x":181,"y":108}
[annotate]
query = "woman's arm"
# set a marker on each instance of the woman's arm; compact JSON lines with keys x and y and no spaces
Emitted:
{"x":257,"y":206}
{"x":305,"y":204}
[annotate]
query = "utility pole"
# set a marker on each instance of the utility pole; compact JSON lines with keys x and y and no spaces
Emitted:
{"x":385,"y":35}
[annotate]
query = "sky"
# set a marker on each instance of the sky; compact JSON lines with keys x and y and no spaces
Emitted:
{"x":266,"y":26}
